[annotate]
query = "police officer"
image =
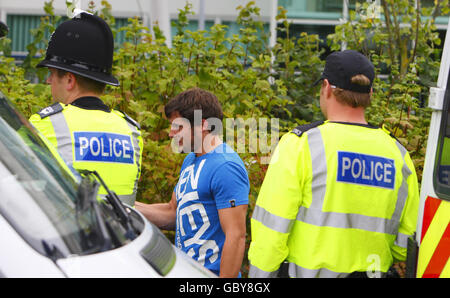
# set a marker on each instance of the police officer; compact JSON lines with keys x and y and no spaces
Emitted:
{"x":85,"y":131}
{"x":340,"y":197}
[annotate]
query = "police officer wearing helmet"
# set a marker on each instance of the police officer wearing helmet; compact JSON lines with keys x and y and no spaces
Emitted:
{"x":340,"y":198}
{"x":87,"y":133}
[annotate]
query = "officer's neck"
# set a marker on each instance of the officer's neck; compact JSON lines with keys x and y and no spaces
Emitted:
{"x":71,"y":97}
{"x":343,"y":113}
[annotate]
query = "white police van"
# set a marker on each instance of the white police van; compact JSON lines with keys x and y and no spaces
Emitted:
{"x":53,"y":225}
{"x":429,"y":250}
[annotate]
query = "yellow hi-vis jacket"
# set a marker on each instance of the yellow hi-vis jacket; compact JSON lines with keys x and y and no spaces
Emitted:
{"x":107,"y":142}
{"x":337,"y":198}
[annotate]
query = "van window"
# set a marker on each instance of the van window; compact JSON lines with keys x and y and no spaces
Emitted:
{"x":442,"y":168}
{"x":39,"y":198}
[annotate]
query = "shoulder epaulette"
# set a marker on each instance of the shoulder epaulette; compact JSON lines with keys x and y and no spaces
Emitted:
{"x":130,"y":120}
{"x":50,"y":110}
{"x":299,"y":130}
{"x":391,"y":134}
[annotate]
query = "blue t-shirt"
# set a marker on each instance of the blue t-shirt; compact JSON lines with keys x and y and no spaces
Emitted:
{"x":213,"y":181}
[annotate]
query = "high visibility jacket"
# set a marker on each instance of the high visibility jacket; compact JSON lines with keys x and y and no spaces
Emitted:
{"x":106,"y":141}
{"x":336,"y":199}
{"x":65,"y":167}
{"x":444,"y":166}
{"x":446,"y":151}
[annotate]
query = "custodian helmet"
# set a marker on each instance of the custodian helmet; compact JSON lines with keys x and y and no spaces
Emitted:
{"x":83,"y":45}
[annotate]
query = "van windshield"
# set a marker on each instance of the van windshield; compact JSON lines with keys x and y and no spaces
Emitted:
{"x":38,"y":193}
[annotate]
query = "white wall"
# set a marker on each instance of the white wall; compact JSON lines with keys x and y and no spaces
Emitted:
{"x":149,"y":10}
{"x":223,"y":9}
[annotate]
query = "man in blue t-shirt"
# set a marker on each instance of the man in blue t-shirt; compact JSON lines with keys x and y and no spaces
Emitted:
{"x":209,"y":203}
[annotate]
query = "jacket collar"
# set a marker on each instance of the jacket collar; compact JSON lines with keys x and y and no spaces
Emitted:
{"x":91,"y":103}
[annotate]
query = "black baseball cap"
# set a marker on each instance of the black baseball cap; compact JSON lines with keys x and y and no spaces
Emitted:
{"x":340,"y":67}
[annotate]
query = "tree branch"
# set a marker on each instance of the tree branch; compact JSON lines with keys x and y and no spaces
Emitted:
{"x":387,"y":16}
{"x":417,"y":30}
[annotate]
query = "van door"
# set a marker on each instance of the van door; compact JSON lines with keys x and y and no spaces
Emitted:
{"x":433,"y":228}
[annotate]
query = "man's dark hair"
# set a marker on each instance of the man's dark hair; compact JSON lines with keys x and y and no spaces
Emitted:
{"x":193,"y":99}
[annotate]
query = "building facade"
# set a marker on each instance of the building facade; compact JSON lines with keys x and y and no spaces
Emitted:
{"x":318,"y":16}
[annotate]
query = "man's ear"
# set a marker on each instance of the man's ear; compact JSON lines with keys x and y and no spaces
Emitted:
{"x":71,"y":81}
{"x":205,"y":125}
{"x":327,"y":88}
{"x":212,"y":125}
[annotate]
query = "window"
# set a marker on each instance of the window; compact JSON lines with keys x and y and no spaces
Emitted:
{"x":21,"y":26}
{"x":441,"y":177}
{"x":39,"y":198}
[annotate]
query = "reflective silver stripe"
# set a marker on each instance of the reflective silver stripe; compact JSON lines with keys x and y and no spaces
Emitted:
{"x":63,"y":138}
{"x":137,"y":154}
{"x":272,"y":221}
{"x":403,"y":190}
{"x":402,"y":240}
{"x":255,"y":272}
{"x":300,"y":272}
{"x":127,"y":199}
{"x":319,"y":169}
{"x":347,"y":221}
{"x":314,"y":214}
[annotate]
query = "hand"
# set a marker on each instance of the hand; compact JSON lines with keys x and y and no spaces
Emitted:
{"x":400,"y":267}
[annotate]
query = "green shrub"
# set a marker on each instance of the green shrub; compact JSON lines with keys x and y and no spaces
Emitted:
{"x":250,"y":80}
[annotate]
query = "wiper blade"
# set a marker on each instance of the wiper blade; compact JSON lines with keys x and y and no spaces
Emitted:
{"x":52,"y":251}
{"x":87,"y":199}
{"x":116,"y":203}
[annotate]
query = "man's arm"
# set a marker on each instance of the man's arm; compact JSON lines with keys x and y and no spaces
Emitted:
{"x":162,"y":215}
{"x":408,"y":220}
{"x":233,"y":225}
{"x":230,"y":190}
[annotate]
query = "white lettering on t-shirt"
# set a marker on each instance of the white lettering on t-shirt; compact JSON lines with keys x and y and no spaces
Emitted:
{"x":189,"y":176}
